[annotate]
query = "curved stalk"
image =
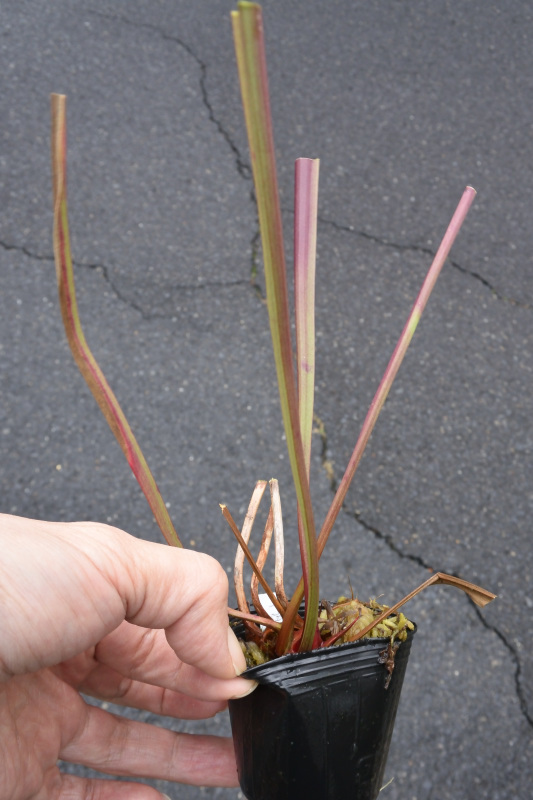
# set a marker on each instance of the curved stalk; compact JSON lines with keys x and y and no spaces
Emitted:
{"x":238,"y":578}
{"x":261,"y":561}
{"x":251,"y":560}
{"x":83,"y":356}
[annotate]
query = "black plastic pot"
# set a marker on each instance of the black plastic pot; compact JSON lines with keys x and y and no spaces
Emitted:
{"x":319,"y":725}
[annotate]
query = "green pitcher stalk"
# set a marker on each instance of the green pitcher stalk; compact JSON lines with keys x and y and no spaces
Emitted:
{"x":251,"y":62}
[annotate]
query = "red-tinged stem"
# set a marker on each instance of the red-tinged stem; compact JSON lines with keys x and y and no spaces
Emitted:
{"x":396,"y":359}
{"x":85,"y":360}
{"x":248,"y":617}
{"x":391,"y":371}
{"x":283,"y":642}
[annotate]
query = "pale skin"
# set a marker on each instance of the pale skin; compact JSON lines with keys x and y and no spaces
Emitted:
{"x":85,"y":607}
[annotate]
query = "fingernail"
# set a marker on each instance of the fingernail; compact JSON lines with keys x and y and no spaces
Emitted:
{"x":249,"y":689}
{"x":166,"y":797}
{"x":239,"y":662}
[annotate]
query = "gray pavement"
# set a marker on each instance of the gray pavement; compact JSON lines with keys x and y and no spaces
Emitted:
{"x":405,"y":103}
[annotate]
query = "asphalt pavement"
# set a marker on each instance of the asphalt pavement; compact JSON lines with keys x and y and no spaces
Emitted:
{"x":405,"y":103}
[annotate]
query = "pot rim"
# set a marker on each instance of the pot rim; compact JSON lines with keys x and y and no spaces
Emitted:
{"x":255,"y":673}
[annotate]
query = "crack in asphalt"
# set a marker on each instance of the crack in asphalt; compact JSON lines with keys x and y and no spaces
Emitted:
{"x":255,"y":245}
{"x":180,"y":287}
{"x":516,"y":660}
{"x":388,"y":540}
{"x":104,"y":271}
{"x":242,"y":167}
{"x":21,"y":249}
{"x":416,"y":248}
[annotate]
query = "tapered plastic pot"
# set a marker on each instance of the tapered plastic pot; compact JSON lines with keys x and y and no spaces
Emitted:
{"x":319,"y":725}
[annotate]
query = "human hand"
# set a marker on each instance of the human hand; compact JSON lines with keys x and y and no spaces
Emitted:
{"x":85,"y":607}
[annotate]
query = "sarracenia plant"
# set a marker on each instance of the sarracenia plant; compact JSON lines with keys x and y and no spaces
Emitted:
{"x":297,"y":398}
{"x":296,"y":391}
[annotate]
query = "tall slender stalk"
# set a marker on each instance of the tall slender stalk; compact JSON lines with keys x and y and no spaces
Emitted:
{"x":305,"y":224}
{"x":396,"y":359}
{"x":390,"y":373}
{"x":251,"y":62}
{"x":83,"y":356}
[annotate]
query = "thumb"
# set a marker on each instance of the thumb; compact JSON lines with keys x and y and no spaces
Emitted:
{"x":186,"y":593}
{"x":94,"y":576}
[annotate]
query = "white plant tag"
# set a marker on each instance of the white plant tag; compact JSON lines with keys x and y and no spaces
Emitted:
{"x":269,"y":607}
